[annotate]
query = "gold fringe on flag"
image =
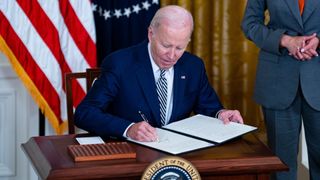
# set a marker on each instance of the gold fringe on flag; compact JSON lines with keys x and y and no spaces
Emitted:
{"x":33,"y":90}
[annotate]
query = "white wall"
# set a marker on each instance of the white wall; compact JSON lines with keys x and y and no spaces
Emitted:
{"x":303,"y":173}
{"x":18,"y":122}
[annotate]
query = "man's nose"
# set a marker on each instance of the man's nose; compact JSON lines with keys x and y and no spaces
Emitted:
{"x":172,"y":53}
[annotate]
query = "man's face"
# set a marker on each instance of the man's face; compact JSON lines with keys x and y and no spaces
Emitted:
{"x":168,"y":44}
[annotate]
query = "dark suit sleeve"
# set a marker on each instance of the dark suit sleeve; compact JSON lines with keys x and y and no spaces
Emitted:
{"x":92,"y":113}
{"x":266,"y":38}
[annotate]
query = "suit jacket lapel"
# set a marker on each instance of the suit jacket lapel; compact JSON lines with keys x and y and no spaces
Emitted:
{"x":147,"y":83}
{"x":310,"y":6}
{"x":179,"y":83}
{"x":294,"y":8}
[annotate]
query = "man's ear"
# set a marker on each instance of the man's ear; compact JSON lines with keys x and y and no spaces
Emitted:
{"x":150,"y":33}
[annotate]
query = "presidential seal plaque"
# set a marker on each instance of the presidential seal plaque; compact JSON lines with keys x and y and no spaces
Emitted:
{"x":171,"y":168}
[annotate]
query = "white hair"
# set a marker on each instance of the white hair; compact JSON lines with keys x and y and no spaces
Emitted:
{"x":174,"y":16}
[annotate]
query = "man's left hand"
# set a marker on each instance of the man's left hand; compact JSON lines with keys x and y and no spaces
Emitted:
{"x":230,"y":116}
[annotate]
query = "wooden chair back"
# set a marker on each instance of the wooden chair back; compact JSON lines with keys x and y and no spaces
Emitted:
{"x":90,"y":75}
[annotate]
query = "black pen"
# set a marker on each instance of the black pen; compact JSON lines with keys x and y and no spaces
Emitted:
{"x":146,"y":120}
{"x":143,"y":116}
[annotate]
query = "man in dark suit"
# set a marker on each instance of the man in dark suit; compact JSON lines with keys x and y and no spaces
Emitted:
{"x":288,"y":76}
{"x":131,"y":86}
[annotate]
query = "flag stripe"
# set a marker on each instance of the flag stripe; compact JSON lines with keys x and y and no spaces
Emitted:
{"x":35,"y":45}
{"x":35,"y":93}
{"x":85,"y":19}
{"x":42,"y":41}
{"x":50,"y":36}
{"x":78,"y":32}
{"x":41,"y":55}
{"x":73,"y":56}
{"x":31,"y":68}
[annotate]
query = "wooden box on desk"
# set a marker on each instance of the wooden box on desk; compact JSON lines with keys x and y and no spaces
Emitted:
{"x":99,"y":152}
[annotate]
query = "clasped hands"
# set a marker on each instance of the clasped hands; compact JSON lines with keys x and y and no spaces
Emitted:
{"x":143,"y":131}
{"x":301,"y":47}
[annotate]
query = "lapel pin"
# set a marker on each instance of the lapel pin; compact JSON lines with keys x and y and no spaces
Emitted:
{"x":183,"y":77}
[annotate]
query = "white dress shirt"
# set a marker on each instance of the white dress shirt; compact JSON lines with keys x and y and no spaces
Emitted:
{"x":169,"y":76}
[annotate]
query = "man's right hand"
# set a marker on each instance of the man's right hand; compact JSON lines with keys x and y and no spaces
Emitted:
{"x":142,"y":131}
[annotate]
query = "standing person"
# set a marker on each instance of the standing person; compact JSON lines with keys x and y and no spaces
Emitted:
{"x":288,"y":76}
{"x":155,"y":81}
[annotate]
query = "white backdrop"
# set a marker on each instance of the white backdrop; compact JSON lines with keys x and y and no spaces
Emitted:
{"x":18,"y":122}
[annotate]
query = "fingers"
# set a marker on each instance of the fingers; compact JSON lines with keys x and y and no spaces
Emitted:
{"x":306,"y":45}
{"x":303,"y":56}
{"x":237,"y":117}
{"x":230,"y":116}
{"x":303,"y":47}
{"x":142,"y":131}
{"x":307,"y":55}
{"x":151,"y":132}
{"x":313,"y":52}
{"x":306,"y":38}
{"x":294,"y":46}
{"x":311,"y":44}
{"x":299,"y":55}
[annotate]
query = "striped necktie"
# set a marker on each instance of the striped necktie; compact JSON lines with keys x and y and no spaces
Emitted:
{"x":162,"y":90}
{"x":301,"y":6}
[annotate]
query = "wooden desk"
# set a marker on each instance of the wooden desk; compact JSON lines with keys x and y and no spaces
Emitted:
{"x":246,"y":158}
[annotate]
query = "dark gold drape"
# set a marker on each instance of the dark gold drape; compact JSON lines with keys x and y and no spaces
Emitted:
{"x":230,"y":59}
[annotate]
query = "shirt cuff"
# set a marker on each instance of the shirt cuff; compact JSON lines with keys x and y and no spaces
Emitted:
{"x":125,"y":132}
{"x":217,"y":114}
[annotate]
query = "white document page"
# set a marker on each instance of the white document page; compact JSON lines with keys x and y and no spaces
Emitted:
{"x":90,"y":140}
{"x":209,"y":128}
{"x":174,"y":143}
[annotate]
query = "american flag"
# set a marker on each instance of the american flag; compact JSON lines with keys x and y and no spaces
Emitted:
{"x":44,"y":39}
{"x":121,"y":23}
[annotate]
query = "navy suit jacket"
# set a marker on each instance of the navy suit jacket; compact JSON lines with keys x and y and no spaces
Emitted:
{"x":127,"y":85}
